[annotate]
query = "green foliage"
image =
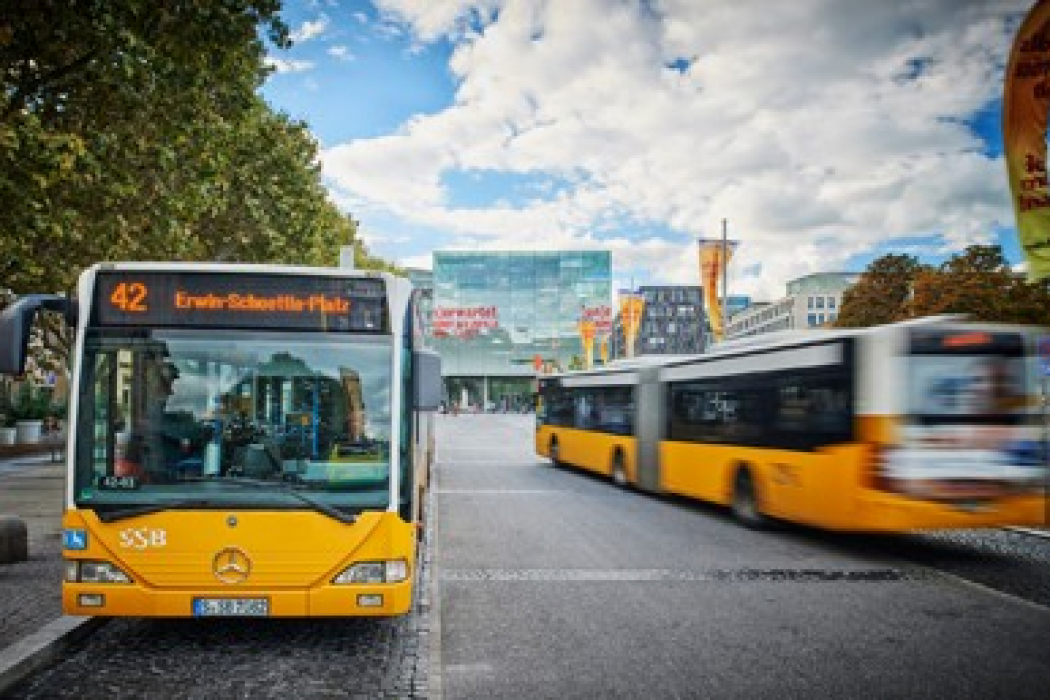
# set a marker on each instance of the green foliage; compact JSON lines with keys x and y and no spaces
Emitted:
{"x":133,"y":130}
{"x":880,"y":293}
{"x":31,"y":404}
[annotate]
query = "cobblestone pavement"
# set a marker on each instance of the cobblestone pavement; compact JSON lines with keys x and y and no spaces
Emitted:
{"x":1010,"y":562}
{"x":30,"y":591}
{"x":242,"y":659}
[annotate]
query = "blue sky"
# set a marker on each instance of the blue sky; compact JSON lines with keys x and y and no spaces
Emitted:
{"x":826,"y":132}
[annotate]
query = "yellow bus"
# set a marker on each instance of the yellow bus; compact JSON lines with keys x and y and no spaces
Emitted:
{"x":245,"y":440}
{"x":928,"y":424}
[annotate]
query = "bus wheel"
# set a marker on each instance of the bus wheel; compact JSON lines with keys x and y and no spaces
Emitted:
{"x":619,"y":472}
{"x":746,"y":507}
{"x":554,"y":452}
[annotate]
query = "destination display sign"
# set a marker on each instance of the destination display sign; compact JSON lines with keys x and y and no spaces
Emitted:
{"x":239,"y":301}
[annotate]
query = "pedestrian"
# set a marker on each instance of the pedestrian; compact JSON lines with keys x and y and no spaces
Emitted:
{"x":53,"y":437}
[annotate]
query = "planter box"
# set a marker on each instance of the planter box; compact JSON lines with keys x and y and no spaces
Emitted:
{"x":28,"y":431}
{"x":8,"y":436}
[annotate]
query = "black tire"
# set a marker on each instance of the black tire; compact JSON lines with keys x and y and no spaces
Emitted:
{"x":747,"y":505}
{"x":554,"y":453}
{"x":619,"y":471}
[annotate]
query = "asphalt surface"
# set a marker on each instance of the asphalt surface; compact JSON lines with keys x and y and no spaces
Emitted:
{"x":556,"y":584}
{"x":544,"y":582}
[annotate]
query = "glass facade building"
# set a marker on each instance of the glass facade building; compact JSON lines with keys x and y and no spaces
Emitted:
{"x":495,"y":313}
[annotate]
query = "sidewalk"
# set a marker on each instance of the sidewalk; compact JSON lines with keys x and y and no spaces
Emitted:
{"x":31,"y":488}
{"x":33,"y":630}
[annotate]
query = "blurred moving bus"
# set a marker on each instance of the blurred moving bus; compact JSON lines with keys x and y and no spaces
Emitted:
{"x":928,"y":424}
{"x":246,"y":440}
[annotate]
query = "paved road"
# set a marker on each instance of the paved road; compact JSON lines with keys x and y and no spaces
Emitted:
{"x":556,"y":584}
{"x":549,"y":583}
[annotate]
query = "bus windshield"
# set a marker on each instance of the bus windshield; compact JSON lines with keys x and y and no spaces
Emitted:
{"x":181,"y":417}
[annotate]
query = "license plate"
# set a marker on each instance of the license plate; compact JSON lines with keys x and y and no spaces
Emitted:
{"x":231,"y":607}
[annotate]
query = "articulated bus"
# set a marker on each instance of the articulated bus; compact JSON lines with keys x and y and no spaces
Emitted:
{"x":911,"y":426}
{"x":245,"y":440}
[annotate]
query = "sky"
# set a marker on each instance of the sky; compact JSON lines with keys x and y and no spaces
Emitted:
{"x":821,"y":133}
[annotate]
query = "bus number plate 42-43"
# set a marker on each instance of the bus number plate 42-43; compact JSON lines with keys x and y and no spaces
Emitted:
{"x":231,"y":607}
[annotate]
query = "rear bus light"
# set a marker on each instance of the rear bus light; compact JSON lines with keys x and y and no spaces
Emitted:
{"x":91,"y":571}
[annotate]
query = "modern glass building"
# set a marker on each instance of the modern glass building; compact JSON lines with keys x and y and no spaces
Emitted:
{"x":496,"y":314}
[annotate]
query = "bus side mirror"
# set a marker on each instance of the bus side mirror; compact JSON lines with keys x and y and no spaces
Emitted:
{"x":17,"y":320}
{"x":427,"y":386}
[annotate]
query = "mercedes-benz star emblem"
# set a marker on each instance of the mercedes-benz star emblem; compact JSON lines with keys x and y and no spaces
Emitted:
{"x":231,"y":565}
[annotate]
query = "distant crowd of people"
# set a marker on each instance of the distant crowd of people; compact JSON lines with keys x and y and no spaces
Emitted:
{"x":504,"y":405}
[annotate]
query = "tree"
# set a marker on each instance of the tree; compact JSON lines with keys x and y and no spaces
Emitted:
{"x":980,"y":284}
{"x":977,"y":283}
{"x":133,"y":130}
{"x":97,"y":98}
{"x":880,"y":293}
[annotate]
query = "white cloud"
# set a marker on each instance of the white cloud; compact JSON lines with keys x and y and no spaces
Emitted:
{"x":288,"y":66}
{"x":343,"y":53}
{"x":309,"y":30}
{"x":821,"y":129}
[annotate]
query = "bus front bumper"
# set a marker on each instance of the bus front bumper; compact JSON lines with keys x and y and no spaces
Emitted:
{"x":131,"y":600}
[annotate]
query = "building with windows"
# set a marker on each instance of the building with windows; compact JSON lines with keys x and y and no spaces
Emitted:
{"x":673,"y":323}
{"x":496,"y":316}
{"x":812,"y":301}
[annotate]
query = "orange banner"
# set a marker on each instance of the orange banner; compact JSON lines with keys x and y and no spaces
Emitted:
{"x":631,"y":308}
{"x":587,"y":336}
{"x":711,"y":267}
{"x":1026,"y":98}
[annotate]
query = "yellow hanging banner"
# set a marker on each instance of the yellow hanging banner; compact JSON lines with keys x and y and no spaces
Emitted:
{"x":1026,"y":98}
{"x":631,"y":308}
{"x":587,"y":336}
{"x":711,"y":268}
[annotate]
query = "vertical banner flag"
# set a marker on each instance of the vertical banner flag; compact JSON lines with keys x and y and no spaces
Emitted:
{"x":587,"y":336}
{"x":600,"y":318}
{"x":1026,"y":98}
{"x":631,"y":307}
{"x":711,"y":265}
{"x":603,"y":347}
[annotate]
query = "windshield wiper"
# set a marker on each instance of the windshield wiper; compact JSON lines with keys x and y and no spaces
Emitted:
{"x":111,"y":516}
{"x":330,"y":511}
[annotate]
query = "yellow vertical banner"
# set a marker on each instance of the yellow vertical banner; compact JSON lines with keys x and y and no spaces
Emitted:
{"x":631,"y":307}
{"x":603,"y":349}
{"x":1026,"y":98}
{"x":587,"y":336}
{"x":711,"y":269}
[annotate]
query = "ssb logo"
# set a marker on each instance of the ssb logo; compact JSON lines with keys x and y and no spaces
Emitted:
{"x":140,"y":538}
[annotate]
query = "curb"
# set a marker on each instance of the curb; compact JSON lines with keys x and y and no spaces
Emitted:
{"x":435,"y":679}
{"x":34,"y":651}
{"x":1030,"y":531}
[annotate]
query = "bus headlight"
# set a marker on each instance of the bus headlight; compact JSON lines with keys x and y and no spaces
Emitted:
{"x":391,"y":571}
{"x":91,"y":571}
